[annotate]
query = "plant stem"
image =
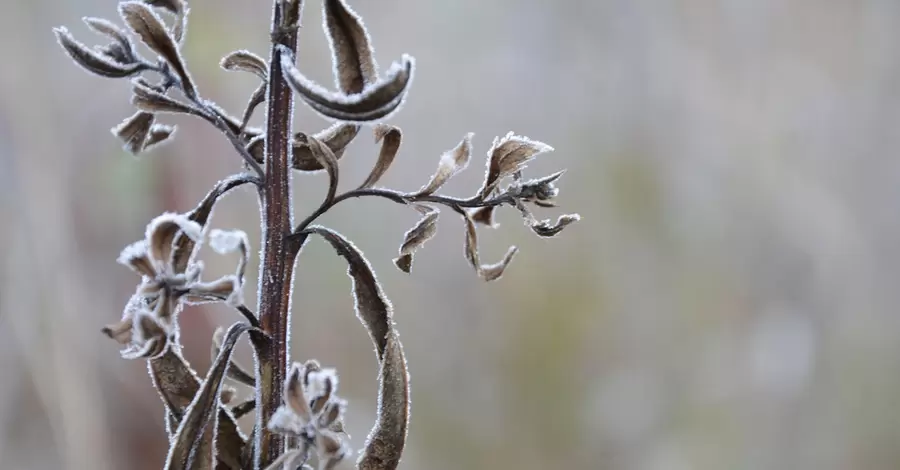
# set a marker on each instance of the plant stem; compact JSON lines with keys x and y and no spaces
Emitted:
{"x":278,"y":256}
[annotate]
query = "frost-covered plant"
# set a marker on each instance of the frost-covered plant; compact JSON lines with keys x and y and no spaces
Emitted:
{"x":298,"y":413}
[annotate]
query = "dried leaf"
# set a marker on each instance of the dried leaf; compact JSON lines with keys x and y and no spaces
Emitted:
{"x":452,"y":162}
{"x":159,"y":134}
{"x":508,"y":156}
{"x":484,"y":216}
{"x":235,"y":371}
{"x":246,"y":61}
{"x":372,"y":306}
{"x":545,"y":229}
{"x":134,"y":131}
{"x":172,"y":6}
{"x":152,"y":31}
{"x":256,"y":99}
{"x":351,"y":50}
{"x":150,"y":100}
{"x":94,"y":61}
{"x":336,"y":137}
{"x":488,"y":272}
{"x":390,"y":138}
{"x":424,"y":230}
{"x":386,"y":440}
{"x":385,"y":443}
{"x":107,"y":28}
{"x":375,"y":102}
{"x":325,"y":157}
{"x":191,"y":435}
{"x":177,"y":385}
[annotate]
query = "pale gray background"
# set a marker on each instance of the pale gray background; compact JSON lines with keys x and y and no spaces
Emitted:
{"x":729,"y":302}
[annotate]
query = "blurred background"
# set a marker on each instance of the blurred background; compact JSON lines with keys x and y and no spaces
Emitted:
{"x":728,"y":301}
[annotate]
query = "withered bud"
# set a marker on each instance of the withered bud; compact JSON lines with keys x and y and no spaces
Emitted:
{"x":134,"y":131}
{"x":159,"y":134}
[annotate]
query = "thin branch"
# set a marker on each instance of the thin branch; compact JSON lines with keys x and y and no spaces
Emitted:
{"x":403,"y":198}
{"x":242,"y":409}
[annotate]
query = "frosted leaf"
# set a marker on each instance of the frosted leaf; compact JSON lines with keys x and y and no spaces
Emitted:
{"x":92,"y":60}
{"x":246,"y":61}
{"x":133,"y":131}
{"x":352,"y":56}
{"x":488,"y":272}
{"x":375,"y":102}
{"x":507,"y":156}
{"x":452,"y":162}
{"x":236,"y":372}
{"x":159,"y":134}
{"x":152,"y":31}
{"x":203,"y":410}
{"x":545,"y":228}
{"x":389,"y":137}
{"x":150,"y":100}
{"x":416,"y":237}
{"x":110,"y":30}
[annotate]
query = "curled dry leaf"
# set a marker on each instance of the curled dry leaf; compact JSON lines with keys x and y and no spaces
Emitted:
{"x":351,"y":50}
{"x":336,"y":137}
{"x":235,"y":371}
{"x":134,"y":131}
{"x":387,"y":438}
{"x":172,"y":6}
{"x":92,"y":60}
{"x":107,"y":28}
{"x":325,"y":157}
{"x":488,"y":272}
{"x":159,"y":134}
{"x":546,"y":229}
{"x":246,"y":61}
{"x":384,"y":445}
{"x":375,"y":102}
{"x":452,"y":162}
{"x":192,"y":436}
{"x":147,"y":99}
{"x":424,"y":230}
{"x":256,"y":99}
{"x":152,"y":31}
{"x":177,"y":385}
{"x":484,"y":216}
{"x":507,"y":156}
{"x":390,"y":137}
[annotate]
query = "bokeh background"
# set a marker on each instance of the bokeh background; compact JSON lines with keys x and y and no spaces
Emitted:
{"x":728,"y":302}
